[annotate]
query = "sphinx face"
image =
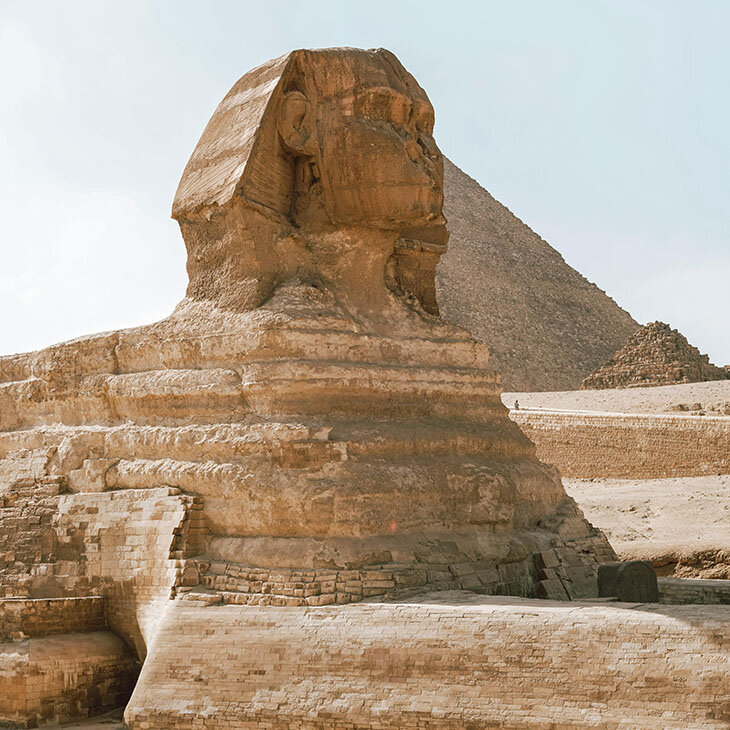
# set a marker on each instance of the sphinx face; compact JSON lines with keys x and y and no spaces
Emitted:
{"x":379,"y":163}
{"x":316,"y":142}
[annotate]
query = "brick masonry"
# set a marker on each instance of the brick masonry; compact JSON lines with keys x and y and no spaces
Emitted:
{"x":451,"y":660}
{"x":564,"y":572}
{"x":22,"y":617}
{"x":693,"y":590}
{"x":594,"y":445}
{"x":128,"y":545}
{"x":58,"y":661}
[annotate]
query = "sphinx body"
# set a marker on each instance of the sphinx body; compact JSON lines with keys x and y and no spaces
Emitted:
{"x":304,"y":429}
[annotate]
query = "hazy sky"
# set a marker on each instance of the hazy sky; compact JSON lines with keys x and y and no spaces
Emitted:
{"x":603,"y":125}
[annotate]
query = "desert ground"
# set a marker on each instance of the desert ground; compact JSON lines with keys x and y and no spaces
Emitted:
{"x":710,"y":398}
{"x":682,"y":525}
{"x":111,"y":721}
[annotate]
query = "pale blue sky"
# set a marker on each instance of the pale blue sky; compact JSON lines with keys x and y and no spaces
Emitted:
{"x":603,"y":125}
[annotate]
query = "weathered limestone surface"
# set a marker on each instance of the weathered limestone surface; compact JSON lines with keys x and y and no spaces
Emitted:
{"x":58,"y":661}
{"x":448,"y":661}
{"x":694,"y":590}
{"x":344,"y":441}
{"x":655,"y":354}
{"x":24,"y":617}
{"x":303,"y":430}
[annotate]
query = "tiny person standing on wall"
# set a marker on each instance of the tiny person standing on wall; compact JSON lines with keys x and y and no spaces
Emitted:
{"x":517,"y":405}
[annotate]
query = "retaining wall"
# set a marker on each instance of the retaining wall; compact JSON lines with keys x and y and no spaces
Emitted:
{"x":693,"y":590}
{"x":23,"y":617}
{"x":452,"y":660}
{"x":129,"y":545}
{"x":592,"y":445}
{"x":57,"y":662}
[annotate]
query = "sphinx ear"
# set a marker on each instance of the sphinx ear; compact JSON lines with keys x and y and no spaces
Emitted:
{"x":294,"y":124}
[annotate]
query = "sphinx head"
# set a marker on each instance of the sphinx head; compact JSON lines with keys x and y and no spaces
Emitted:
{"x":309,"y":145}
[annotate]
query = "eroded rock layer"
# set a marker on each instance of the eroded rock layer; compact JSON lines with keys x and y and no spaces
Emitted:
{"x":356,"y":461}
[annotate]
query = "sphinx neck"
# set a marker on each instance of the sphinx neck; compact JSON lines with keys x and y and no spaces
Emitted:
{"x":353,"y":263}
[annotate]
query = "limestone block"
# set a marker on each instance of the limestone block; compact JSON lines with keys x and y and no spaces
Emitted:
{"x":689,"y":590}
{"x":633,"y":581}
{"x":442,"y":661}
{"x":546,"y":559}
{"x":64,"y":677}
{"x":552,"y":589}
{"x":303,"y":430}
{"x":655,"y":354}
{"x":91,"y":477}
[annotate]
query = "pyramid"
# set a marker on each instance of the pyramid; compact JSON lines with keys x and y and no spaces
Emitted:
{"x":546,"y":325}
{"x":655,"y":354}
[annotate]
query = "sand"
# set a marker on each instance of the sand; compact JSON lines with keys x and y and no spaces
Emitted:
{"x":111,"y":721}
{"x":682,"y":525}
{"x":711,"y":398}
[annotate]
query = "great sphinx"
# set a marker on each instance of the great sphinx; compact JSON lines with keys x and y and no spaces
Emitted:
{"x":304,"y":429}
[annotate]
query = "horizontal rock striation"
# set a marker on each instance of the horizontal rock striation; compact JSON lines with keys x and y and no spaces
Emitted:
{"x":303,"y":429}
{"x":374,"y":452}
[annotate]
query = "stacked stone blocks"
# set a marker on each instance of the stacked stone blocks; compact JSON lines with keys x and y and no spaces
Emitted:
{"x":447,"y":660}
{"x":588,"y":445}
{"x":694,"y":591}
{"x":655,"y":354}
{"x":59,"y":662}
{"x":22,"y":618}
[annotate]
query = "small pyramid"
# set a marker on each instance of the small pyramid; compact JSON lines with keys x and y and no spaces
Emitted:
{"x":655,"y":354}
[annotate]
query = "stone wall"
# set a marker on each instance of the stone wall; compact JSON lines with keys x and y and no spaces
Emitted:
{"x":28,"y":503}
{"x":22,"y":617}
{"x":52,"y":679}
{"x":561,"y":573}
{"x":452,"y":660}
{"x":129,"y":545}
{"x":57,"y":661}
{"x":693,"y":590}
{"x":592,"y":445}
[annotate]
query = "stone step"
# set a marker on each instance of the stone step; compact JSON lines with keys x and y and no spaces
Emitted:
{"x":52,"y":679}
